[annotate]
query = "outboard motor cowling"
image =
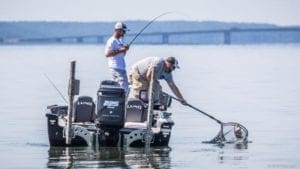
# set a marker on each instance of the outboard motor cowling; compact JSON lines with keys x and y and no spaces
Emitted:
{"x":110,"y":105}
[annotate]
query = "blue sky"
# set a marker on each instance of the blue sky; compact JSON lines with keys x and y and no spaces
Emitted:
{"x":280,"y":12}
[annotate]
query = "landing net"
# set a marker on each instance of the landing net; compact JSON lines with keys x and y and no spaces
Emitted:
{"x":231,"y":132}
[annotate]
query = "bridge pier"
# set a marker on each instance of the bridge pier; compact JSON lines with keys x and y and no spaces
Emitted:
{"x":79,"y":39}
{"x":100,"y":39}
{"x":58,"y":40}
{"x":227,"y":37}
{"x":165,"y":38}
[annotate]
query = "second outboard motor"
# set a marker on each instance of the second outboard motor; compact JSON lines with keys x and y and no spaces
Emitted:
{"x":110,"y":105}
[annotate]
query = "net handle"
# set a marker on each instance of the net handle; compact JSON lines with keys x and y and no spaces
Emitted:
{"x":208,"y":115}
{"x":197,"y":109}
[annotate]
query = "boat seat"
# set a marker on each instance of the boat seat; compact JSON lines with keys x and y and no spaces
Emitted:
{"x":135,"y":111}
{"x":84,"y":109}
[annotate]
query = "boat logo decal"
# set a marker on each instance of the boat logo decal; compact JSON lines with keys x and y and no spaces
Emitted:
{"x":52,"y":122}
{"x":111,"y":104}
{"x":135,"y":106}
{"x":85,"y":103}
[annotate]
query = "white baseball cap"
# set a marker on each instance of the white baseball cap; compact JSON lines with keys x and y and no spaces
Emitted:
{"x":121,"y":25}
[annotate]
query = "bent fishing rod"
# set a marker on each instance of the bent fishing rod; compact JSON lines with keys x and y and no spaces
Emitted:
{"x":142,"y":30}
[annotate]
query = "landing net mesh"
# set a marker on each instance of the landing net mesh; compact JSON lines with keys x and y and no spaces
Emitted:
{"x":231,"y":132}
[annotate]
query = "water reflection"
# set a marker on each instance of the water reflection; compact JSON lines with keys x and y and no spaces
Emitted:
{"x":86,"y":157}
{"x":234,"y":155}
{"x":239,"y":146}
{"x":155,"y":158}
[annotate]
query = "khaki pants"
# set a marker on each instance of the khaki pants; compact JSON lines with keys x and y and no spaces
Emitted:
{"x":139,"y":83}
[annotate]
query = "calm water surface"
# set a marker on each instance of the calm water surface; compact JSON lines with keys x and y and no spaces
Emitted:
{"x":258,"y":86}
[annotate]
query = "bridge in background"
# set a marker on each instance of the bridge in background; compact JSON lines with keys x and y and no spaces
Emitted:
{"x":225,"y":36}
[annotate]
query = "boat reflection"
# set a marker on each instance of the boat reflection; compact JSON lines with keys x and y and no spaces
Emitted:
{"x":108,"y":157}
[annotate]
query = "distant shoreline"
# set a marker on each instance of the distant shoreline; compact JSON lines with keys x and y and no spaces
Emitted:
{"x":160,"y":32}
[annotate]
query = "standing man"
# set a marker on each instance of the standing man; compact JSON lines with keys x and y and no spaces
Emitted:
{"x":115,"y":51}
{"x":140,"y":76}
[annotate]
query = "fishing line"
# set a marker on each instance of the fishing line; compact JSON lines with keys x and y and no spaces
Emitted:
{"x":154,"y":19}
{"x":62,"y":96}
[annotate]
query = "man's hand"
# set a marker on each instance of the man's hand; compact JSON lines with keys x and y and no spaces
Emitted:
{"x":123,"y":49}
{"x":126,"y":46}
{"x":182,"y":101}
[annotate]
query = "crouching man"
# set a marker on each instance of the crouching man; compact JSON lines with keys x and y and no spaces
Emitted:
{"x":140,"y":76}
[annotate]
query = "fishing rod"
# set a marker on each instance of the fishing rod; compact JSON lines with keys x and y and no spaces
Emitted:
{"x":62,"y":96}
{"x":142,"y":30}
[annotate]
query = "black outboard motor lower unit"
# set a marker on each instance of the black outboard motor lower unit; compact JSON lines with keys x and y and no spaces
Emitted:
{"x":110,"y":111}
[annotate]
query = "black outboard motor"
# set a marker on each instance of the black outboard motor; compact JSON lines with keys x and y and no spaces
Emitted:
{"x":110,"y":112}
{"x":110,"y":105}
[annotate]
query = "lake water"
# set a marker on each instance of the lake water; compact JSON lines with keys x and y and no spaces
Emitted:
{"x":257,"y":86}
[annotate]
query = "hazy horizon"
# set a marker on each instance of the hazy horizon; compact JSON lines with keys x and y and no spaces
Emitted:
{"x":278,"y":12}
